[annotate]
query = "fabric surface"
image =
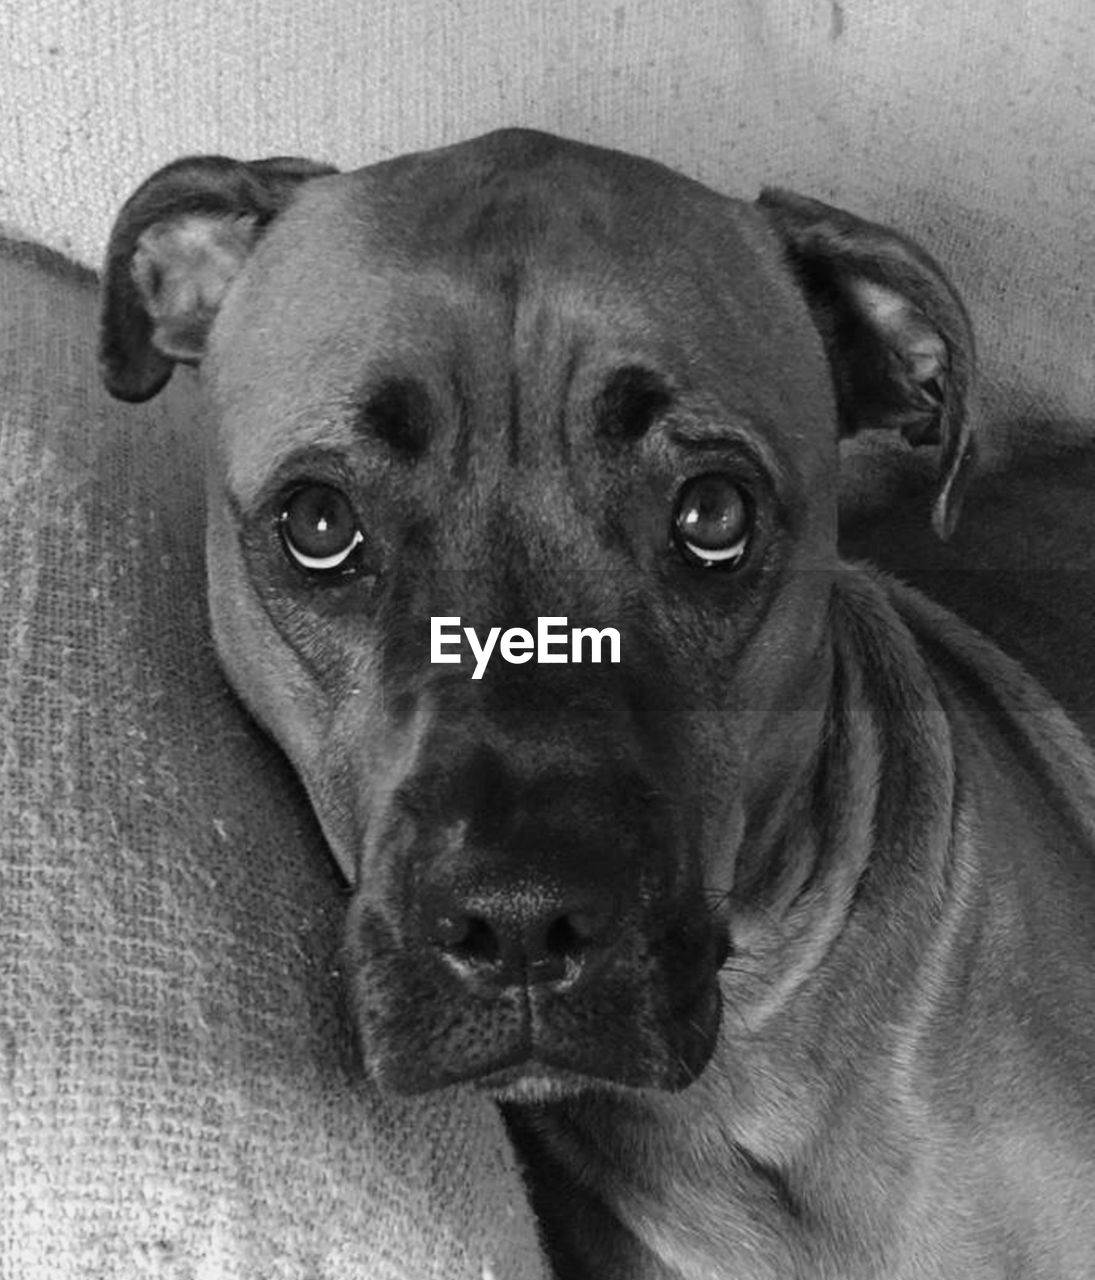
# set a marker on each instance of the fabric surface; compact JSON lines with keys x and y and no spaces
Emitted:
{"x":179,"y":1095}
{"x":967,"y":125}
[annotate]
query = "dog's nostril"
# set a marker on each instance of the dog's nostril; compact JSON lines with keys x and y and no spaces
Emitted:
{"x":570,"y":934}
{"x":472,"y":941}
{"x":505,"y":941}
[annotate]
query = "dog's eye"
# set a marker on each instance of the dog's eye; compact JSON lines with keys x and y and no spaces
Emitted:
{"x":319,"y":530}
{"x":713,"y":521}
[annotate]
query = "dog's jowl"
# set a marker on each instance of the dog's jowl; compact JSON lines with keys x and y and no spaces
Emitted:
{"x":773,"y":931}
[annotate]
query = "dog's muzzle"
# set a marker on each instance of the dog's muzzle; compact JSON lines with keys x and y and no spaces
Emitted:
{"x":542,"y":928}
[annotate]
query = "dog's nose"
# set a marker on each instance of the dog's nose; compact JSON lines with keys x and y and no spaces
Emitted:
{"x":520,"y":936}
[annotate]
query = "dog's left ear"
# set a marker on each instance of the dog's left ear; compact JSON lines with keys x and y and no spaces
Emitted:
{"x":897,"y":335}
{"x":177,"y":244}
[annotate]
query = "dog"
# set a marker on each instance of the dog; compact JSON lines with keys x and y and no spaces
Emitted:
{"x":773,"y":939}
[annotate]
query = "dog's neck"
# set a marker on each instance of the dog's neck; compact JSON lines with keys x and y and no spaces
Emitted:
{"x":882,"y":833}
{"x":648,"y":1161}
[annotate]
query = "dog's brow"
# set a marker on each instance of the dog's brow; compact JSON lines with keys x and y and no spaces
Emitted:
{"x":631,"y":399}
{"x":723,"y":433}
{"x":397,"y":411}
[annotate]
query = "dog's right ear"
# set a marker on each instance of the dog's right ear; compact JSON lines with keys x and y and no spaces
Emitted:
{"x":176,"y":246}
{"x":899,"y":342}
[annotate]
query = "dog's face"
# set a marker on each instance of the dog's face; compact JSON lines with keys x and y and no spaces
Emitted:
{"x":512,"y":381}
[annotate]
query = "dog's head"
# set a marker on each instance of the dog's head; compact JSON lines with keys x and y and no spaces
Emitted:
{"x":514,"y":380}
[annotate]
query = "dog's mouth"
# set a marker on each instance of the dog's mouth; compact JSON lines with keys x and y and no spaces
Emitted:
{"x":533,"y":1083}
{"x":649,"y":1019}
